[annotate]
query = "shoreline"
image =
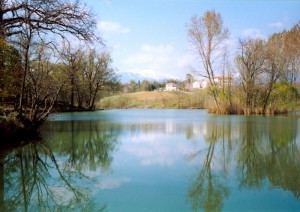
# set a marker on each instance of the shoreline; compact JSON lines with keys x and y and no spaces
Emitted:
{"x":14,"y":134}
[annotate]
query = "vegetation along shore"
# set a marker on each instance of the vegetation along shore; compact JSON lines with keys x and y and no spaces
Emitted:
{"x":39,"y":74}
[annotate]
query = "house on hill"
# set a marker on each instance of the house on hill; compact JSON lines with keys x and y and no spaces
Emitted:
{"x":200,"y":84}
{"x":223,"y":81}
{"x":171,"y":87}
{"x":219,"y":80}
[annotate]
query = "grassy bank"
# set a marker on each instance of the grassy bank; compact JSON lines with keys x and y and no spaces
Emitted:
{"x":172,"y":100}
{"x":154,"y":99}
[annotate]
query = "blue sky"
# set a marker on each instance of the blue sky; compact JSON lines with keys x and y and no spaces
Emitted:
{"x":149,"y":37}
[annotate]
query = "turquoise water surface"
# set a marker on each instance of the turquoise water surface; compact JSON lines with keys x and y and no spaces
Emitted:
{"x":155,"y":160}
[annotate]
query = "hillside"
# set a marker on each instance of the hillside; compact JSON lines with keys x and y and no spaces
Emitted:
{"x":153,"y":99}
{"x":172,"y":100}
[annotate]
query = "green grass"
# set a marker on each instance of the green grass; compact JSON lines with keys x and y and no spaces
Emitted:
{"x":154,"y":99}
{"x":176,"y":100}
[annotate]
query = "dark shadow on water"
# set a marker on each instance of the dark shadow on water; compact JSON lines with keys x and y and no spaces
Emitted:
{"x":47,"y":174}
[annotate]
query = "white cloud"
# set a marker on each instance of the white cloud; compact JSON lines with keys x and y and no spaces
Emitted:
{"x":253,"y":33}
{"x":155,"y":61}
{"x":113,"y":183}
{"x":151,"y":55}
{"x":109,"y":26}
{"x":140,"y":58}
{"x":277,"y":24}
{"x":150,"y":73}
{"x":154,"y":151}
{"x":185,"y":61}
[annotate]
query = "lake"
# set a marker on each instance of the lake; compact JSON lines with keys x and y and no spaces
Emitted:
{"x":155,"y":160}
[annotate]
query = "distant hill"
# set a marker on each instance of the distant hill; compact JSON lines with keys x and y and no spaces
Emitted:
{"x":126,"y":77}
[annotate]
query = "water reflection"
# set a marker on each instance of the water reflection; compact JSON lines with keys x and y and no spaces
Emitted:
{"x":259,"y":148}
{"x":29,"y":173}
{"x":127,"y":161}
{"x":207,"y":191}
{"x":270,"y":152}
{"x":49,"y":174}
{"x":88,"y":145}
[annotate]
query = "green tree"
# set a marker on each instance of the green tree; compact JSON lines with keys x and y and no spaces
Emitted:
{"x":145,"y":85}
{"x":10,"y":71}
{"x":133,"y":86}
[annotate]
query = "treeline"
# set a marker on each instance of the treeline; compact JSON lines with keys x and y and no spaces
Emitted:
{"x":89,"y":75}
{"x":154,"y":85}
{"x":268,"y":68}
{"x":74,"y":79}
{"x":46,"y":62}
{"x":145,"y":85}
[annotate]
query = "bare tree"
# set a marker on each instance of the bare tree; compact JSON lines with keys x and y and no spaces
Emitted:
{"x":250,"y":62}
{"x":292,"y":52}
{"x":207,"y":34}
{"x":275,"y":65}
{"x":42,"y":85}
{"x":98,"y":72}
{"x":88,"y":72}
{"x":72,"y":59}
{"x":46,"y":16}
{"x":25,"y":41}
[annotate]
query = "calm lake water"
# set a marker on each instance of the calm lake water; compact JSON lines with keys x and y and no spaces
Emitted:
{"x":155,"y":160}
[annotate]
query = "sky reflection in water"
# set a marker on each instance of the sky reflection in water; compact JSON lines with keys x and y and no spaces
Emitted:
{"x":168,"y":160}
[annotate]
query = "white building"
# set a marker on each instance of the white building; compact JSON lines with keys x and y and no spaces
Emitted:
{"x":219,"y":80}
{"x":223,"y":80}
{"x":171,"y":87}
{"x":200,"y":84}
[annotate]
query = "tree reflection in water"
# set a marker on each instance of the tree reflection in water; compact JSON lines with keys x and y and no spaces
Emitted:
{"x":32,"y":179}
{"x":208,"y":191}
{"x":263,"y":149}
{"x":270,"y":152}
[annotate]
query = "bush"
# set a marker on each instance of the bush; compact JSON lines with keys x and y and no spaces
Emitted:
{"x":2,"y":115}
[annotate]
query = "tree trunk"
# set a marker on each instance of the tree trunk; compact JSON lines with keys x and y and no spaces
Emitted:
{"x":267,"y":97}
{"x":72,"y":92}
{"x":26,"y":66}
{"x":93,"y":98}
